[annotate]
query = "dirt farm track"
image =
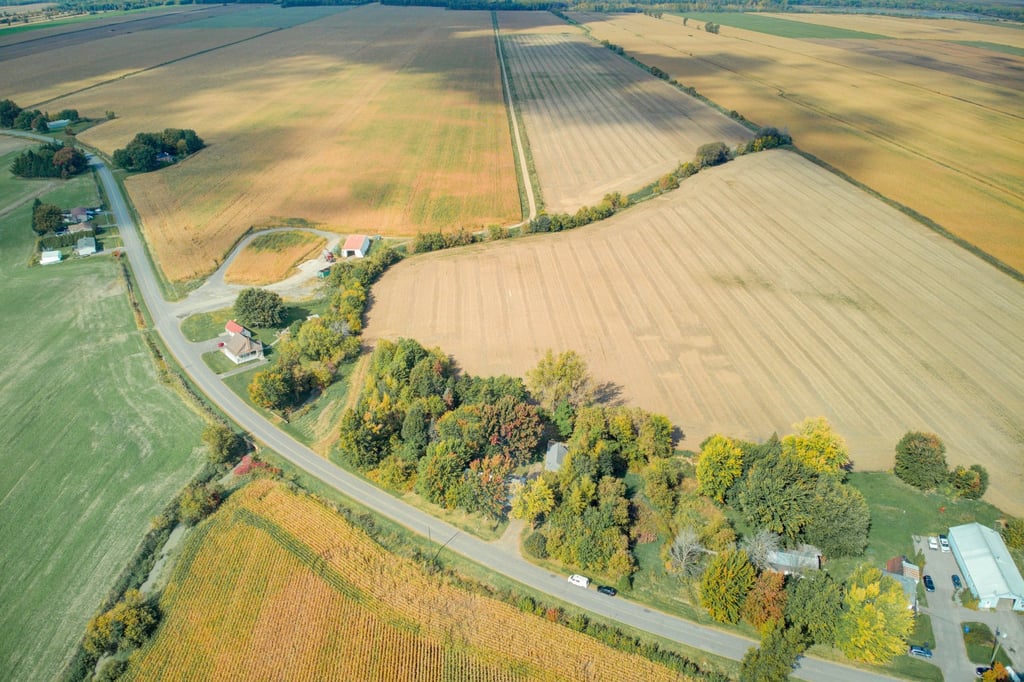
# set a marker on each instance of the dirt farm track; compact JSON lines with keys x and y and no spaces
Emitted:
{"x":759,"y":293}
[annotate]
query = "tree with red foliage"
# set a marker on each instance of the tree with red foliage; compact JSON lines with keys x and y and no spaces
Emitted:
{"x":766,"y":601}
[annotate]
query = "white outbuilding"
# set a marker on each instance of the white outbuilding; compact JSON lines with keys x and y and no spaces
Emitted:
{"x":48,"y":257}
{"x":356,"y":246}
{"x":987,"y":567}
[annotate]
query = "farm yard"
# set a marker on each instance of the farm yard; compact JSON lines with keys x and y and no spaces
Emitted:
{"x":759,"y":293}
{"x":93,"y":445}
{"x":278,"y":586}
{"x":338,"y":135}
{"x":927,"y":113}
{"x":597,"y":123}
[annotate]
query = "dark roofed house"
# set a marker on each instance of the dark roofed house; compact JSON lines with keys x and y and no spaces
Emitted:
{"x":240,"y":348}
{"x":79,"y":214}
{"x":555,"y":455}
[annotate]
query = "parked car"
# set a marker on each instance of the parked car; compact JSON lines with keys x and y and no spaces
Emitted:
{"x":956,"y":582}
{"x":933,"y":542}
{"x":944,"y":543}
{"x":923,"y":652}
{"x":579,"y":580}
{"x":606,"y":589}
{"x":981,"y":670}
{"x":929,"y":584}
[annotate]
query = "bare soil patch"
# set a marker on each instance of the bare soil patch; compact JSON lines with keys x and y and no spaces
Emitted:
{"x":943,"y":141}
{"x":374,"y":119}
{"x":761,"y":292}
{"x":597,"y":123}
{"x":260,"y":266}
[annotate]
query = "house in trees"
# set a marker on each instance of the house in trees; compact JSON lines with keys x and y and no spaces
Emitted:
{"x":356,"y":246}
{"x":909,"y":586}
{"x":86,"y":246}
{"x":555,"y":456}
{"x":79,"y":214}
{"x":241,"y":346}
{"x":987,"y":567}
{"x":795,"y":561}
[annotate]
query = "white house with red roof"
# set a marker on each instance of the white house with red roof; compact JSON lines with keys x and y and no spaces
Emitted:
{"x":356,"y":246}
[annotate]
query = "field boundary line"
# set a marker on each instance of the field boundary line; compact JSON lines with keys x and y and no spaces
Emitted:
{"x":526,"y":169}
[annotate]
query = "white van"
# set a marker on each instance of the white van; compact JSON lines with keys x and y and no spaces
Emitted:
{"x":579,"y":580}
{"x":933,"y":542}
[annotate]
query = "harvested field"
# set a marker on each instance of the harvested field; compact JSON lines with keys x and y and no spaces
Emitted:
{"x":596,"y":123}
{"x":273,"y":257}
{"x":759,"y":293}
{"x":372,"y":119}
{"x":277,"y":586}
{"x":942,"y":135}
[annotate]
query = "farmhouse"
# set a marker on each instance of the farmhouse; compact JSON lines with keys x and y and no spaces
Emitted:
{"x":87,"y":226}
{"x":86,"y":246}
{"x":355,"y":246}
{"x":79,"y":214}
{"x":241,"y":346}
{"x":909,"y":586}
{"x":555,"y":456}
{"x":48,"y":257}
{"x":987,"y":567}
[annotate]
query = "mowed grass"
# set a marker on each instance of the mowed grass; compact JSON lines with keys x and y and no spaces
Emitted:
{"x":783,"y":28}
{"x":938,"y":134}
{"x":276,"y":585}
{"x":375,"y":119}
{"x":273,"y":257}
{"x":92,"y":445}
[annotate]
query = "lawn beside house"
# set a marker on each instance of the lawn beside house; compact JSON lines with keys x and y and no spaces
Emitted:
{"x":92,"y":445}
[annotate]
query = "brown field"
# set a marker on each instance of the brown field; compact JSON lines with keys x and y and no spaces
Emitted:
{"x":245,"y":603}
{"x":597,"y":123}
{"x":760,"y":293}
{"x":372,"y":119}
{"x":259,"y":267}
{"x":941,"y":135}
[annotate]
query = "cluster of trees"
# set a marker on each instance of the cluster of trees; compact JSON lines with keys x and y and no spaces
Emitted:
{"x":46,"y":217}
{"x":921,"y":462}
{"x":455,"y":439}
{"x":259,"y":308}
{"x":435,"y":241}
{"x":51,"y":160}
{"x":765,"y":138}
{"x":712,"y":27}
{"x":792,"y":487}
{"x":584,"y":216}
{"x":13,"y":116}
{"x":307,"y":361}
{"x":125,"y":625}
{"x":143,"y":152}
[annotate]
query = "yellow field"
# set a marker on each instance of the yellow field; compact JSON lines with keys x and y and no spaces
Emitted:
{"x":759,"y":293}
{"x":259,"y":266}
{"x":931,"y":124}
{"x":277,"y":586}
{"x":372,"y":119}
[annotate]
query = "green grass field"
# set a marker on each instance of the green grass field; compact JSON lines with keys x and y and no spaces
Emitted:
{"x":784,"y":28}
{"x":208,"y":326}
{"x":92,"y":446}
{"x":981,"y":644}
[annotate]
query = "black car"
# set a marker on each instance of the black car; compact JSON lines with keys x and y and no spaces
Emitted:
{"x":956,"y":581}
{"x":929,"y":584}
{"x":605,"y":589}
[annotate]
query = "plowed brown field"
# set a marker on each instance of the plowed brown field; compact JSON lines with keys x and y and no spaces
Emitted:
{"x":761,"y":292}
{"x":372,"y":119}
{"x":923,"y":120}
{"x":597,"y":123}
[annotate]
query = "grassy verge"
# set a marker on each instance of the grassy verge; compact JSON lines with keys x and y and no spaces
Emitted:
{"x":208,"y":326}
{"x":218,"y":362}
{"x":93,"y":445}
{"x":981,"y":644}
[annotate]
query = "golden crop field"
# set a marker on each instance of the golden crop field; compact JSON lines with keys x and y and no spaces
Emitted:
{"x":596,"y":123}
{"x":258,"y":264}
{"x":918,"y":117}
{"x":759,"y":293}
{"x":371,"y":119}
{"x":277,"y":586}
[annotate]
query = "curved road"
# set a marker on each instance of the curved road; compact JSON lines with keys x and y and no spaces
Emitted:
{"x":492,"y":556}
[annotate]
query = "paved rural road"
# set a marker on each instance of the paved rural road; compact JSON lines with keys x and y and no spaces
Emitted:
{"x":493,"y":557}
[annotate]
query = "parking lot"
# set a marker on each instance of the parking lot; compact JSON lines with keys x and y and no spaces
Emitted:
{"x":950,"y":654}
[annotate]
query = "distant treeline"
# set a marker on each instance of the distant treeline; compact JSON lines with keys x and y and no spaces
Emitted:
{"x":149,"y":151}
{"x":990,"y":9}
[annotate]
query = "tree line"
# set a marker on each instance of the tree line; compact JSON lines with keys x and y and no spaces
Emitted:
{"x":13,"y":116}
{"x":149,"y":151}
{"x":50,"y":160}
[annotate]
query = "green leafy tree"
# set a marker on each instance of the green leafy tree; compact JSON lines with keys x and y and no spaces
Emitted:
{"x":126,"y":624}
{"x":259,"y":308}
{"x":8,"y":113}
{"x":47,"y":218}
{"x":439,"y":474}
{"x":840,"y":520}
{"x":818,"y":445}
{"x":1013,"y":534}
{"x":654,"y":437}
{"x":485,"y":487}
{"x":719,"y":465}
{"x":778,"y":494}
{"x":970,"y":483}
{"x":272,"y":388}
{"x":921,"y":460}
{"x":875,"y":622}
{"x":197,"y":502}
{"x":562,"y":377}
{"x":773,"y":660}
{"x":712,"y":154}
{"x":814,"y":606}
{"x":223,"y":443}
{"x":662,"y":478}
{"x":512,"y":428}
{"x":727,"y":580}
{"x":69,"y":161}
